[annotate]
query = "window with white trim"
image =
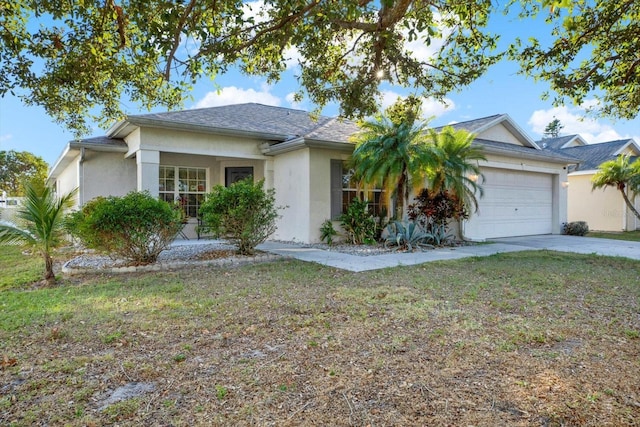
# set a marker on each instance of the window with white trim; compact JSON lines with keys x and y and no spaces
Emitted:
{"x":183,"y":185}
{"x":344,"y":188}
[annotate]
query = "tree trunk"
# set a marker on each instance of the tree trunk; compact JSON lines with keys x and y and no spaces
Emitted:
{"x":628,"y":202}
{"x":49,"y":277}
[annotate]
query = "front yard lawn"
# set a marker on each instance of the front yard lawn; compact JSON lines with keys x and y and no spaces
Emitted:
{"x":520,"y":339}
{"x":623,"y":235}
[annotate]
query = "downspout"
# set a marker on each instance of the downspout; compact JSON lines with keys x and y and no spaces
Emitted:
{"x":625,"y":210}
{"x":81,"y":177}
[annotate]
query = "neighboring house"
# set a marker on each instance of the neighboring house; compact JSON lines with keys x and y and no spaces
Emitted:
{"x":180,"y":156}
{"x":602,"y":209}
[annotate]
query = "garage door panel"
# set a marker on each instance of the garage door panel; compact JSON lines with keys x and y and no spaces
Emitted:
{"x":515,"y":203}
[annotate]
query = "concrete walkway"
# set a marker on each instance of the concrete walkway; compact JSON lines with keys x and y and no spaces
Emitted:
{"x":583,"y":245}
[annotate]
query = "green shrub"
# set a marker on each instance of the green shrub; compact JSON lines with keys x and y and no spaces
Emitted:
{"x":136,"y":227}
{"x":244,"y":213}
{"x":359,"y":223}
{"x":575,"y":228}
{"x":327,"y":232}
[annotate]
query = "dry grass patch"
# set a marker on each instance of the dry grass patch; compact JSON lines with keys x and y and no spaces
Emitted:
{"x":535,"y":338}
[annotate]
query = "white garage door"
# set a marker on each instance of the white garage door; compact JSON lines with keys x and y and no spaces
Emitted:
{"x":515,"y":203}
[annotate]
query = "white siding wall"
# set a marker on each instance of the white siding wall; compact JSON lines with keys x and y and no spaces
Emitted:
{"x":499,"y":133}
{"x":69,"y":179}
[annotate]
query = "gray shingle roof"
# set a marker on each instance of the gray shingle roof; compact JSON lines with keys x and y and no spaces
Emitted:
{"x":555,"y":143}
{"x":281,"y":123}
{"x":101,"y":141}
{"x":593,"y":155}
{"x":285,"y":124}
{"x":529,"y":152}
{"x":474,"y":125}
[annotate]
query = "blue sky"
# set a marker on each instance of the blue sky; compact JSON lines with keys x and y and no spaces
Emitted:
{"x":501,"y":90}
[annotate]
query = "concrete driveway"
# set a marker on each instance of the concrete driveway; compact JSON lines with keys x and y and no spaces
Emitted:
{"x":583,"y":245}
{"x":580,"y":245}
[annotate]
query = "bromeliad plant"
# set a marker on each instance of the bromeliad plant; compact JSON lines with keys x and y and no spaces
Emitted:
{"x":43,"y":216}
{"x":406,"y":236}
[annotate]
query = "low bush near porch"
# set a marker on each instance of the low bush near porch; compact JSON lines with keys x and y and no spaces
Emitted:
{"x":244,"y":213}
{"x":136,"y":227}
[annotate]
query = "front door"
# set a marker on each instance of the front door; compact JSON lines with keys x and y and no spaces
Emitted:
{"x":235,"y":174}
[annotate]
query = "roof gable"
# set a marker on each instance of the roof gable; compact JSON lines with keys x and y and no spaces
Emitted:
{"x":498,"y":128}
{"x":561,"y":142}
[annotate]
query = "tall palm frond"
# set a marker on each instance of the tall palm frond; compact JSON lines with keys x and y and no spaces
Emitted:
{"x":620,"y":173}
{"x":393,"y":155}
{"x":455,"y":166}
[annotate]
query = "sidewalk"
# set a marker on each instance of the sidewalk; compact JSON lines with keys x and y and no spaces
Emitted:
{"x":373,"y":262}
{"x":560,"y":243}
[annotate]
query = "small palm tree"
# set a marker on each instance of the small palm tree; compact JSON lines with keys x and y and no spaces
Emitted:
{"x":454,"y":167}
{"x":43,"y":214}
{"x":392,"y":154}
{"x":622,"y":174}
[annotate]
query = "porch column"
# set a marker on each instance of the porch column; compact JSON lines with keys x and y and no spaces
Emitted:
{"x":148,"y":164}
{"x":559,"y":199}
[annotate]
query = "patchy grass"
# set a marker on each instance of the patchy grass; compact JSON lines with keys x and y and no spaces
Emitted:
{"x":19,"y":266}
{"x":622,"y":235}
{"x":529,"y":338}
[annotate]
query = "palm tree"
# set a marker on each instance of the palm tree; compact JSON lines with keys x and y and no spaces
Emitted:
{"x":43,"y":215}
{"x":454,"y":167}
{"x":393,"y":154}
{"x":621,"y":174}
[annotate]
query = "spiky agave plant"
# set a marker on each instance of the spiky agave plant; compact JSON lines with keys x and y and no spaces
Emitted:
{"x":43,"y":216}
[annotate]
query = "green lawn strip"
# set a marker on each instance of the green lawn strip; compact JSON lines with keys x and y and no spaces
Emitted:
{"x":18,"y":267}
{"x":228,"y":344}
{"x":623,"y":235}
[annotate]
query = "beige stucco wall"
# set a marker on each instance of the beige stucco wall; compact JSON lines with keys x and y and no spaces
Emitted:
{"x":302,"y":179}
{"x":602,"y":209}
{"x":182,"y":141}
{"x":320,"y":182}
{"x":291,"y":180}
{"x":106,"y":174}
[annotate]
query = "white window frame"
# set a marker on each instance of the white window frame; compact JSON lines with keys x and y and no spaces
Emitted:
{"x":188,"y":191}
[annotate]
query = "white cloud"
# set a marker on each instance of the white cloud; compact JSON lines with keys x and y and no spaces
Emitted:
{"x":290,"y":98}
{"x":419,"y":48}
{"x":233,"y":95}
{"x":256,"y":10}
{"x":430,"y":106}
{"x":574,"y":122}
{"x":6,"y":137}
